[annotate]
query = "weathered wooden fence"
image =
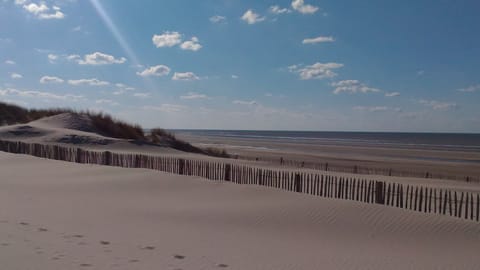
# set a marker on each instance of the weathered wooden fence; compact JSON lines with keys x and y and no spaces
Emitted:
{"x":412,"y":197}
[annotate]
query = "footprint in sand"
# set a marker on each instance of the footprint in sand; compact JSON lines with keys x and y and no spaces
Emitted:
{"x":24,"y":223}
{"x":105,"y":243}
{"x":222,"y":265}
{"x":42,"y":230}
{"x":179,"y":257}
{"x":148,"y":248}
{"x":85,"y":265}
{"x":5,"y":244}
{"x":133,"y":261}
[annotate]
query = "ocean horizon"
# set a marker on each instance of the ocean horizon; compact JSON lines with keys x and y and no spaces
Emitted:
{"x":447,"y":141}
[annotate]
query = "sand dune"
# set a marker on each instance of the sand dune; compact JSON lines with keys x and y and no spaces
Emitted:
{"x":58,"y":215}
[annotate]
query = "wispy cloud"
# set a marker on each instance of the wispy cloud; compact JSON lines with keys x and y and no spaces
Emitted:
{"x":471,"y":88}
{"x":91,"y":82}
{"x":185,"y":76}
{"x":167,"y":39}
{"x":98,"y":58}
{"x":191,"y":45}
{"x":158,"y":71}
{"x":171,"y":39}
{"x":167,"y":108}
{"x":193,"y":95}
{"x":316,"y":71}
{"x":218,"y":19}
{"x":50,"y":79}
{"x":141,"y":95}
{"x":15,"y":76}
{"x":251,"y":17}
{"x":392,"y":94}
{"x":438,"y":105}
{"x":300,"y":6}
{"x":106,"y":102}
{"x":275,"y":9}
{"x":245,"y":102}
{"x":39,"y":94}
{"x":10,"y":62}
{"x":352,"y":87}
{"x":318,"y":40}
{"x":42,"y":11}
{"x":371,"y":108}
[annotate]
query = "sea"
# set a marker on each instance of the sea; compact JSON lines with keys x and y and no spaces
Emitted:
{"x":439,"y":141}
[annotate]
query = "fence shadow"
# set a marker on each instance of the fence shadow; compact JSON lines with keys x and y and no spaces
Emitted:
{"x":418,"y":198}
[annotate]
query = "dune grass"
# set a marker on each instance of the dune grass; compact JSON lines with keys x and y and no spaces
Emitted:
{"x":106,"y":125}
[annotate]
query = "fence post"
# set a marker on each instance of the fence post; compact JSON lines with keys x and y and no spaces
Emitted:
{"x":228,"y":169}
{"x":181,"y":166}
{"x":379,"y":192}
{"x":298,"y":183}
{"x":108,"y":158}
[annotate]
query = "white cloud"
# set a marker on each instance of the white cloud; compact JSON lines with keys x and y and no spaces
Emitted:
{"x":316,"y":71}
{"x":91,"y":82}
{"x":251,"y":17}
{"x":168,"y":108}
{"x":20,"y":2}
{"x":73,"y":57}
{"x":39,"y":94}
{"x":245,"y":102}
{"x":318,"y":40}
{"x":420,"y":72}
{"x":50,"y":79}
{"x":141,"y":95}
{"x":41,"y":10}
{"x":371,"y":109}
{"x":438,"y":105}
{"x":57,"y":15}
{"x":472,"y":88}
{"x":10,"y":62}
{"x":167,"y":39}
{"x":158,"y":71}
{"x":185,"y":76}
{"x":97,"y":58}
{"x":36,"y":9}
{"x":277,"y":10}
{"x":193,"y":95}
{"x":235,"y":76}
{"x":300,"y":6}
{"x":352,"y":86}
{"x":15,"y":76}
{"x":124,"y":87}
{"x":106,"y":102}
{"x":77,"y":29}
{"x":191,"y":45}
{"x":52,"y":58}
{"x":392,"y":94}
{"x":217,"y":19}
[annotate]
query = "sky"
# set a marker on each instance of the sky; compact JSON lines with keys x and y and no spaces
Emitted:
{"x":326,"y":65}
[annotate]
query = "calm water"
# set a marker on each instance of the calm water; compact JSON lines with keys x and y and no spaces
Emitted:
{"x":447,"y":141}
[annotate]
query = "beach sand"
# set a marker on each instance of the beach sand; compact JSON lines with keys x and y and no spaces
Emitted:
{"x":456,"y":164}
{"x":59,"y":215}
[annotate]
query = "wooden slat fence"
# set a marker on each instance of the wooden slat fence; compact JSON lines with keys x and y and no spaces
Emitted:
{"x":440,"y":201}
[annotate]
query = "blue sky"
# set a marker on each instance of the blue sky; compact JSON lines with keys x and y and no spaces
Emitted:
{"x":230,"y":64}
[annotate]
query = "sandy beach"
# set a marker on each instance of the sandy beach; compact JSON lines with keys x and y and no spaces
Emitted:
{"x":59,"y":215}
{"x":442,"y":162}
